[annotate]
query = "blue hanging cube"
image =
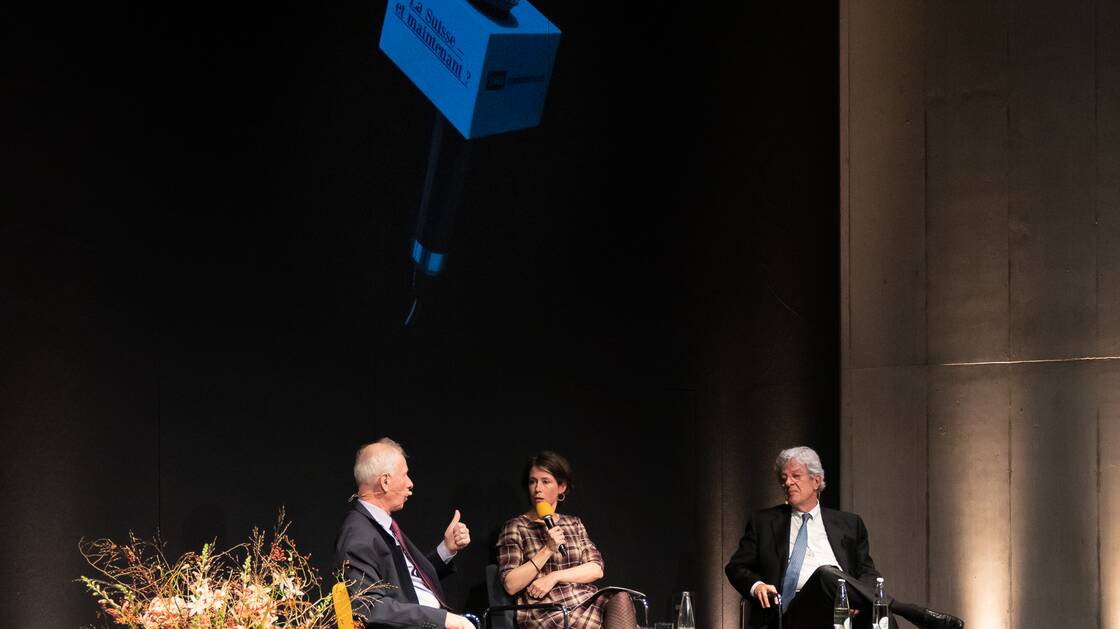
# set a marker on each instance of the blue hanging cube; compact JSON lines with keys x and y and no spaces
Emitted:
{"x":486,"y":73}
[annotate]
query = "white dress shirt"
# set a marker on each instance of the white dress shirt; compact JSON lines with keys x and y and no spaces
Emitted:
{"x":423,"y":594}
{"x":818,"y":551}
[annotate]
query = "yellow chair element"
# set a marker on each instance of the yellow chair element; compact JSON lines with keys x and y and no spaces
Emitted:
{"x":342,"y":610}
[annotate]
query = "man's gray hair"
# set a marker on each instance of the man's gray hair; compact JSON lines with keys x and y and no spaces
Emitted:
{"x":370,"y":465}
{"x":804,"y":455}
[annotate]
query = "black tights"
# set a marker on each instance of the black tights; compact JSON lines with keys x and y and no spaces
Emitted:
{"x":618,"y":612}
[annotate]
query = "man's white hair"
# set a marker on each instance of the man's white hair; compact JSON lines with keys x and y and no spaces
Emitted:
{"x":804,"y":455}
{"x":372,"y":462}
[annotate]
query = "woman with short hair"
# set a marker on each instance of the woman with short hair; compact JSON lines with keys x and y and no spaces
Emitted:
{"x":534,"y":569}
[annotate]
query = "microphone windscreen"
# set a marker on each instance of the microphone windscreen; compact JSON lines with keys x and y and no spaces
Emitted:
{"x":544,"y":509}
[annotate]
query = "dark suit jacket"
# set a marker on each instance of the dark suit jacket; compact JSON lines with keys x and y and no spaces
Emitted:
{"x":370,"y":556}
{"x":764,"y":551}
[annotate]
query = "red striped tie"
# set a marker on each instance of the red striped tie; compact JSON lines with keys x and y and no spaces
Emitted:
{"x":428,"y":583}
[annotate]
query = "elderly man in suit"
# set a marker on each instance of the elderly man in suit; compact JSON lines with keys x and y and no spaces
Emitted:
{"x":372,"y":549}
{"x":805,"y":549}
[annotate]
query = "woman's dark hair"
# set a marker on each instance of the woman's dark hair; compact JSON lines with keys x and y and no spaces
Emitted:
{"x":552,"y":463}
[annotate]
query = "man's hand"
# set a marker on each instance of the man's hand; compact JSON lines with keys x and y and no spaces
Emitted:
{"x":543,"y":585}
{"x":457,"y":536}
{"x":764,"y":592}
{"x":455,"y":621}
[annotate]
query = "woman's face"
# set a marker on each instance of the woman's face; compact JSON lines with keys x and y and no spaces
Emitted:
{"x":543,"y":486}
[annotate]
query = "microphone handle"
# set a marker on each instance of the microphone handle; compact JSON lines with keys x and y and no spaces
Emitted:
{"x":549,"y":523}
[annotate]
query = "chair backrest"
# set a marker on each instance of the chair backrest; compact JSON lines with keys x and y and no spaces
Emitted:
{"x":496,"y":596}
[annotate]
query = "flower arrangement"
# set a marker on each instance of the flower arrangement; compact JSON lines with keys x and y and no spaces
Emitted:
{"x":260,"y":584}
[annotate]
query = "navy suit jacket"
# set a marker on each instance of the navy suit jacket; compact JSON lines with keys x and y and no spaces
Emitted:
{"x":764,"y":551}
{"x":370,"y":555}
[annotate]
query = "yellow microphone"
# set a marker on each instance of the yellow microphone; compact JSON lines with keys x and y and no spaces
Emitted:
{"x":545,"y":511}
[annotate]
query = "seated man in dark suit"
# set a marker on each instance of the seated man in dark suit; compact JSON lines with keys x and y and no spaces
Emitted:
{"x":820,"y":546}
{"x":372,"y":549}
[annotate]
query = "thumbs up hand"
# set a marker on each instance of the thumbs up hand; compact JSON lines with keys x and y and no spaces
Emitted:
{"x":457,"y":536}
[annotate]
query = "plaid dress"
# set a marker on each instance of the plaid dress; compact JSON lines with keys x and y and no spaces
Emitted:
{"x":520,"y":539}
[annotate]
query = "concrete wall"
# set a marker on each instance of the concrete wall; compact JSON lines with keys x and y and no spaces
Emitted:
{"x":980,"y":203}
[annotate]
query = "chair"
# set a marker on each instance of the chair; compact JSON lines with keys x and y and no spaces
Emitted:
{"x":501,"y":612}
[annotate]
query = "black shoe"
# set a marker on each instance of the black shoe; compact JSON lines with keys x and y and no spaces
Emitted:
{"x":937,"y":620}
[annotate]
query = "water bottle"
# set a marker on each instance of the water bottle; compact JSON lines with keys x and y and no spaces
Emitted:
{"x":685,"y":617}
{"x":841,"y":616}
{"x":880,"y":616}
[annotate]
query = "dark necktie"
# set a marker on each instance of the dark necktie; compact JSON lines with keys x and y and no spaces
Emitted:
{"x":793,"y":570}
{"x":428,"y":583}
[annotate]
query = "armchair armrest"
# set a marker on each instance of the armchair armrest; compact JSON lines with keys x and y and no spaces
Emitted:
{"x":509,"y":608}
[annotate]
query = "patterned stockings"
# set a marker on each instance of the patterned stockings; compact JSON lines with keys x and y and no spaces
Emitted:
{"x":618,"y":613}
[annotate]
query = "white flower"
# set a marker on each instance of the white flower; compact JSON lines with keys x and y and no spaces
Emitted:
{"x":255,"y":597}
{"x":164,"y":612}
{"x":289,"y":585}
